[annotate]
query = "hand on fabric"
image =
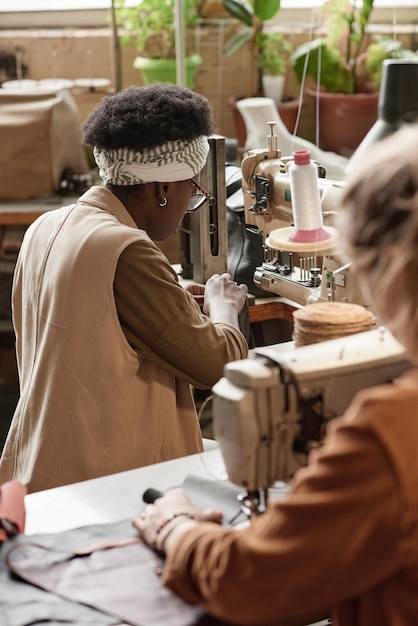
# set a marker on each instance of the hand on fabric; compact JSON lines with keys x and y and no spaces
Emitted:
{"x":167,"y":513}
{"x":224,"y":299}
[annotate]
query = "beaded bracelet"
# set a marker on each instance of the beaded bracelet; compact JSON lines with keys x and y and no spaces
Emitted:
{"x":164,"y":525}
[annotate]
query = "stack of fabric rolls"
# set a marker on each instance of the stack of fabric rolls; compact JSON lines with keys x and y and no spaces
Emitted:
{"x":323,"y":321}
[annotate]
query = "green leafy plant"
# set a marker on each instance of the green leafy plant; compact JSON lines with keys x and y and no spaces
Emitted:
{"x":384,"y":48}
{"x":272,"y":51}
{"x":151,"y":25}
{"x":342,"y":61}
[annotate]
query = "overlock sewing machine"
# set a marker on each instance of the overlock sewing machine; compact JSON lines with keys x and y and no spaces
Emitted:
{"x":271,"y":409}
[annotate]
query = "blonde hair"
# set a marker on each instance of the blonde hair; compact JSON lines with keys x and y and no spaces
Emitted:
{"x":378,"y":226}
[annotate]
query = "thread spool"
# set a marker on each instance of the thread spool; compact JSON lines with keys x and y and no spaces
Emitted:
{"x":323,"y":321}
{"x":306,"y":201}
{"x":308,"y":232}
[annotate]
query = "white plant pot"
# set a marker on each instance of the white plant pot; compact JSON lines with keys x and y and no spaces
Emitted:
{"x":273,"y":87}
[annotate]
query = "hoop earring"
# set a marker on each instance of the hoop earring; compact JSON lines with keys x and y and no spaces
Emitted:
{"x":163,"y":203}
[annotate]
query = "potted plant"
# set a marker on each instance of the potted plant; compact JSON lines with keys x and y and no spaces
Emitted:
{"x":384,"y":48}
{"x":151,"y":25}
{"x":346,"y":70}
{"x":271,"y":51}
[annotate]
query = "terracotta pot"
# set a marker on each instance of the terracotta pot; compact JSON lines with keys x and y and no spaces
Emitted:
{"x":288,"y":110}
{"x":344,"y":119}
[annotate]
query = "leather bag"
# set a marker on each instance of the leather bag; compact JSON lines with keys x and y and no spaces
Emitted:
{"x":245,"y":243}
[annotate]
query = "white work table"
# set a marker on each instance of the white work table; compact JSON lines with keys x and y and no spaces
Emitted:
{"x":115,"y":497}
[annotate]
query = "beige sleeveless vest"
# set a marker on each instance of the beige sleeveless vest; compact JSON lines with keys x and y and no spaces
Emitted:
{"x":89,"y":405}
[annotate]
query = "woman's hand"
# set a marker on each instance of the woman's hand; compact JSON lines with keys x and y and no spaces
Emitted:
{"x":167,"y":513}
{"x":198,"y":293}
{"x":224,"y":299}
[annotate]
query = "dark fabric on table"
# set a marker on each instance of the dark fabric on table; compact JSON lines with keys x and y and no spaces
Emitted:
{"x":100,"y":575}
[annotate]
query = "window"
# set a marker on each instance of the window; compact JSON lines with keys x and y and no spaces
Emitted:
{"x":11,"y":6}
{"x":65,"y":5}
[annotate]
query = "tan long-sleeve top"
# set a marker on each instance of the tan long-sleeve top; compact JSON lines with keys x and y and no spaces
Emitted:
{"x":108,"y":344}
{"x":346,"y":537}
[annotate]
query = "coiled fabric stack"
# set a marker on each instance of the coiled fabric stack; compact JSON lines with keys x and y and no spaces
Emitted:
{"x":323,"y":321}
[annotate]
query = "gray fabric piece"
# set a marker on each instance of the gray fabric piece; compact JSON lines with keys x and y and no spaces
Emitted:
{"x":104,"y":567}
{"x":120,"y":581}
{"x":22,"y":604}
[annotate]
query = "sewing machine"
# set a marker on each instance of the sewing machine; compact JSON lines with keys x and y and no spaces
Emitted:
{"x":271,"y":409}
{"x":268,"y":207}
{"x":203,"y":234}
{"x":316,"y":273}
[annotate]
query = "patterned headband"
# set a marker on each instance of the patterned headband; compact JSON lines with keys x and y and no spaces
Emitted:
{"x":169,"y":162}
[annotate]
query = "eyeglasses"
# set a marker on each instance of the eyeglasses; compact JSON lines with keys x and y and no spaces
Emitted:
{"x":199,"y":197}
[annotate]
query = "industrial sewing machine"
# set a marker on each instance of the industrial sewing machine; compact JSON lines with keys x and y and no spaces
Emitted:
{"x":315,"y":274}
{"x":267,"y":203}
{"x":271,"y":409}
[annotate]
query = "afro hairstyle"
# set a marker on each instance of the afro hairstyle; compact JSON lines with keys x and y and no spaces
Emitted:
{"x":145,"y":117}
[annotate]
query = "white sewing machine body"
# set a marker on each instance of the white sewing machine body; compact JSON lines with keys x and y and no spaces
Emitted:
{"x":271,"y":409}
{"x":300,"y":276}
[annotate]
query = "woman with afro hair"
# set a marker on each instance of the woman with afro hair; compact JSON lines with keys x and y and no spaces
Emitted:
{"x":108,"y":342}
